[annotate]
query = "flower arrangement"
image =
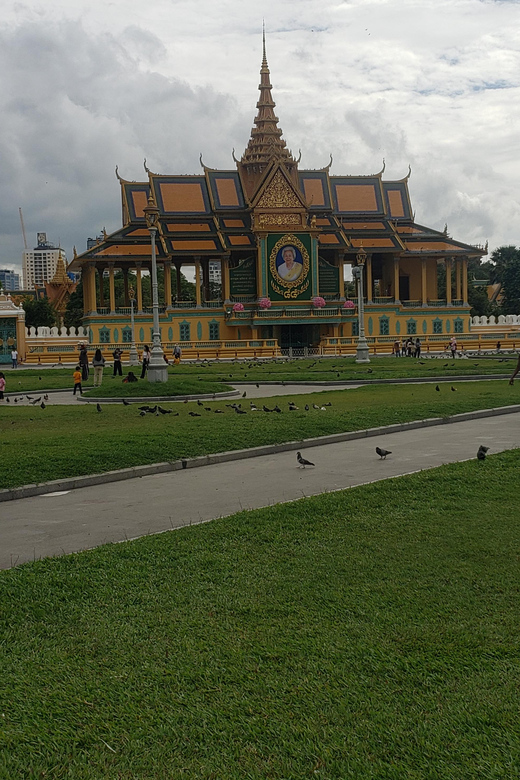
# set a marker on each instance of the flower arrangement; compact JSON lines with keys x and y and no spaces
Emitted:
{"x":319,"y":302}
{"x":264,"y":303}
{"x":349,"y":305}
{"x":238,"y":306}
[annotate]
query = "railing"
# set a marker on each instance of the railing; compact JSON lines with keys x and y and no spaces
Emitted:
{"x":383,"y":299}
{"x":412,"y":304}
{"x":243,"y":298}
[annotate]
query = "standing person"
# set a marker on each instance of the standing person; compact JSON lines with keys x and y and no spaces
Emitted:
{"x":146,"y":360}
{"x":453,"y":347}
{"x":2,"y":385}
{"x":177,"y":354}
{"x":117,"y":355}
{"x":83,"y":361}
{"x":499,"y":346}
{"x":77,"y":381}
{"x":98,"y":362}
{"x":515,"y":372}
{"x":397,"y":348}
{"x":417,"y":347}
{"x":14,"y":357}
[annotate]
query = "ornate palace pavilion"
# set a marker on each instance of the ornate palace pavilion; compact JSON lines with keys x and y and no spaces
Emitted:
{"x":282,"y":237}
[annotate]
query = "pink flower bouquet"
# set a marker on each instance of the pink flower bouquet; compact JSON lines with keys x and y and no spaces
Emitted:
{"x":349,"y":305}
{"x":264,"y":303}
{"x":319,"y":302}
{"x":238,"y":307}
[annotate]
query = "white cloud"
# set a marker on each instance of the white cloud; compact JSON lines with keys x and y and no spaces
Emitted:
{"x":87,"y":86}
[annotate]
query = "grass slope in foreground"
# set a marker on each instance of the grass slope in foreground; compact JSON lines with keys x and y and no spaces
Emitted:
{"x":65,"y":441}
{"x":371,"y":633}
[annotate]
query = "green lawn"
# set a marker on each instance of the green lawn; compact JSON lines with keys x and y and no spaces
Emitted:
{"x":63,"y":441}
{"x":318,"y":370}
{"x":371,"y":633}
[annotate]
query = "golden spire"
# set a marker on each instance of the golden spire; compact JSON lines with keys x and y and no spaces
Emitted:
{"x":60,"y":275}
{"x":266,"y":142}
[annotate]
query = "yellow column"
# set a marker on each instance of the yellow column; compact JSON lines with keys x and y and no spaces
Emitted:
{"x":465,"y":281}
{"x":139,"y":284}
{"x":101,"y":291}
{"x":167,"y":284}
{"x":396,"y":280}
{"x":197,"y":282}
{"x":458,"y":279}
{"x":112,"y":288}
{"x":369,"y":278}
{"x":424,"y":293}
{"x":92,"y":288}
{"x":224,"y":268}
{"x":86,"y":288}
{"x":448,"y":281}
{"x":341,"y":266}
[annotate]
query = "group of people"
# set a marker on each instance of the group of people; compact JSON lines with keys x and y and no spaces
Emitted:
{"x":408,"y":348}
{"x":98,"y":363}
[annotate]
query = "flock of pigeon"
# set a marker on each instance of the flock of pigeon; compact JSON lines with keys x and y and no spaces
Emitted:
{"x":302,"y":462}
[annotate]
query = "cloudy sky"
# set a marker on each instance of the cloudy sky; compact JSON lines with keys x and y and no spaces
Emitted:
{"x":90,"y":84}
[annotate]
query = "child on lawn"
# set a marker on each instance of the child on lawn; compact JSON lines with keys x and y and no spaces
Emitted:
{"x":2,"y":385}
{"x":77,"y":380}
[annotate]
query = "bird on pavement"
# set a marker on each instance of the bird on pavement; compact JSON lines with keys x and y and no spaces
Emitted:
{"x":98,"y":407}
{"x":481,"y":454}
{"x":45,"y":397}
{"x":244,"y":394}
{"x":302,"y":462}
{"x":36,"y":401}
{"x":382,"y":453}
{"x":8,"y":399}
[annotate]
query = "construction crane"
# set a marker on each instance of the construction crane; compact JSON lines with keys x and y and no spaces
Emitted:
{"x":23,"y":230}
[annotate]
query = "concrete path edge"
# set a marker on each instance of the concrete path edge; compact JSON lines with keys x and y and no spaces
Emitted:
{"x":72,"y":483}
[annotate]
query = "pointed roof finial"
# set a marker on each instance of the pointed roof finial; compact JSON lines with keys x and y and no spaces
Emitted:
{"x":266,"y":142}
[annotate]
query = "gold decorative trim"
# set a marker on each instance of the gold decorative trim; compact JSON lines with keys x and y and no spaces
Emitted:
{"x":279,"y":220}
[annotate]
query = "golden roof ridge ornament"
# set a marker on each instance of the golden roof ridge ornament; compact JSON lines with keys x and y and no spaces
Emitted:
{"x":407,"y":175}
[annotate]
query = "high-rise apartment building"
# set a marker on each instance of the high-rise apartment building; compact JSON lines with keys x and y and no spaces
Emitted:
{"x":9,"y":280}
{"x":39,"y":266}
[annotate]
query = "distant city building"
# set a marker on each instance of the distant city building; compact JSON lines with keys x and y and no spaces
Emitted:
{"x":215,"y":272}
{"x":91,"y":242}
{"x":9,"y":280}
{"x":39,"y":266}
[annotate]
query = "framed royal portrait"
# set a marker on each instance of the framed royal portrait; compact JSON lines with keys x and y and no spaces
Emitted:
{"x":289,"y":266}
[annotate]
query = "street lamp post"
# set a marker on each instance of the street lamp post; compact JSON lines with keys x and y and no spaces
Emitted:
{"x":362,"y":350}
{"x":157,"y":368}
{"x":134,"y":357}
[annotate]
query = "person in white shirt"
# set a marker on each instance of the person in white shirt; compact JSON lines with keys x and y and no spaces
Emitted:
{"x":14,"y":357}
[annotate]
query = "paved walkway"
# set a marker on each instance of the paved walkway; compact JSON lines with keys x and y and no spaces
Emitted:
{"x":55,"y":524}
{"x":65,"y":397}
